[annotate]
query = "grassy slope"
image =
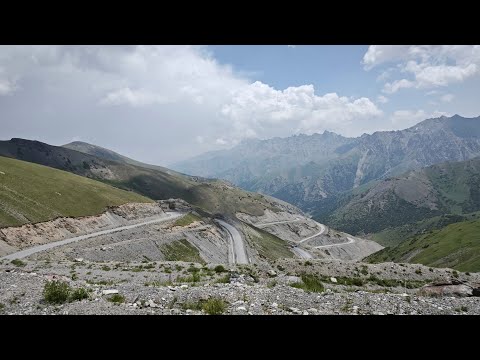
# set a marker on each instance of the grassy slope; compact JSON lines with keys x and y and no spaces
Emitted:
{"x":215,"y":196}
{"x":30,"y":193}
{"x":181,"y":250}
{"x":187,"y":220}
{"x":268,"y":246}
{"x":456,"y":246}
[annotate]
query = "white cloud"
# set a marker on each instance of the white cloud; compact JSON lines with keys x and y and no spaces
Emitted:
{"x":447,"y":97}
{"x":382,"y":99}
{"x":133,"y":97}
{"x":429,"y":66}
{"x":390,"y":88}
{"x":261,"y":110}
{"x":161,"y":95}
{"x":6,"y":87}
{"x":221,"y":141}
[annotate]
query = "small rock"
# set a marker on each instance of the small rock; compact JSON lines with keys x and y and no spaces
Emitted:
{"x":171,"y":288}
{"x":271,"y":273}
{"x":79,"y":259}
{"x":184,"y":286}
{"x":109,"y":292}
{"x":189,"y":311}
{"x":238,"y":302}
{"x":151,"y":303}
{"x":241,"y":308}
{"x":333,"y":280}
{"x":274,"y":305}
{"x":135,"y":305}
{"x":305,"y":312}
{"x":103,"y":249}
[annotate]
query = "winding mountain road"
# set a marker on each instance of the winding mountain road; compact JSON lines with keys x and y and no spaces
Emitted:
{"x":33,"y":250}
{"x":237,"y":252}
{"x":301,"y":252}
{"x":350,"y":241}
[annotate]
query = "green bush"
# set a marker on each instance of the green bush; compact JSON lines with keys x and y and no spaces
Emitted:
{"x":18,"y":262}
{"x":219,"y":269}
{"x":214,"y":306}
{"x":56,"y":292}
{"x":116,"y":298}
{"x":79,"y":294}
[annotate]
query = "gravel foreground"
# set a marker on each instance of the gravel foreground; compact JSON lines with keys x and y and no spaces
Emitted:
{"x":193,"y":289}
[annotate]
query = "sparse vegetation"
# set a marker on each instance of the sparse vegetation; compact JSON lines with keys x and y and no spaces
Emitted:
{"x":18,"y":262}
{"x":79,"y":294}
{"x":310,"y":283}
{"x":219,"y":269}
{"x":187,"y":220}
{"x":116,"y":299}
{"x":223,"y":280}
{"x":181,"y":250}
{"x":214,"y":306}
{"x":106,"y":268}
{"x":56,"y":292}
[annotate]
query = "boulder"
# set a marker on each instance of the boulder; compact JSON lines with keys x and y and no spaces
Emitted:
{"x":458,"y":290}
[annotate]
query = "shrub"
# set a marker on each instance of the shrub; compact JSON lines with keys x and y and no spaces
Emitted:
{"x":79,"y":294}
{"x":56,"y":292}
{"x":224,"y":279}
{"x":219,"y":269}
{"x":106,"y":268}
{"x":455,"y":274}
{"x":308,"y":263}
{"x":116,"y":299}
{"x":214,"y":306}
{"x":418,"y":271}
{"x":310,"y":283}
{"x":18,"y":262}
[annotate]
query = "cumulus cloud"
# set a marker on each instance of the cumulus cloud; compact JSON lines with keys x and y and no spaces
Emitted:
{"x":261,"y":110}
{"x":428,"y":66}
{"x":152,"y":102}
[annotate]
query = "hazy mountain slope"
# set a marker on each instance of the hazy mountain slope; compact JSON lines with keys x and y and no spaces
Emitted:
{"x":305,"y":170}
{"x":456,"y":246}
{"x":448,"y":188}
{"x":213,"y":196}
{"x":31,"y":193}
{"x":107,"y":154}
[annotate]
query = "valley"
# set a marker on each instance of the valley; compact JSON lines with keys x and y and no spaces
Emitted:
{"x":191,"y":240}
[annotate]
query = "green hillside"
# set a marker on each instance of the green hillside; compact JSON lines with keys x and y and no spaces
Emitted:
{"x":214,"y":196}
{"x":31,"y":193}
{"x":394,"y":205}
{"x":455,"y":246}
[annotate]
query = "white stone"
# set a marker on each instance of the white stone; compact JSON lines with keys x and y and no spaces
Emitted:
{"x":109,"y":292}
{"x":274,"y":305}
{"x":241,"y":308}
{"x":333,"y":280}
{"x":184,"y":286}
{"x":79,"y":259}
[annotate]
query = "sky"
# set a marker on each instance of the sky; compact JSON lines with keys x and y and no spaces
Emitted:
{"x":163,"y":104}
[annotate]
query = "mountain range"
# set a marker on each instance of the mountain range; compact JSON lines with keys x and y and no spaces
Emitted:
{"x":307,"y":169}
